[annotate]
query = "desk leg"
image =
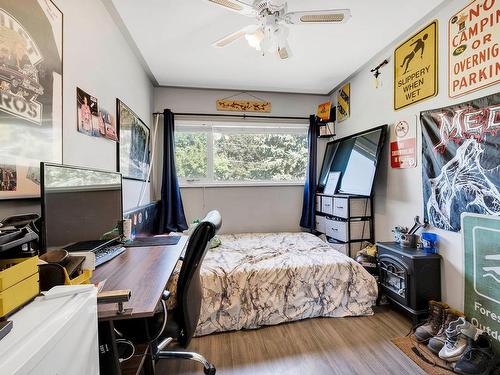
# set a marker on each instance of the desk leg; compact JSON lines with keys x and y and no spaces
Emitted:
{"x":108,"y":353}
{"x":150,"y":363}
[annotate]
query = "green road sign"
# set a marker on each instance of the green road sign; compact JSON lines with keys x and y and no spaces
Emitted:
{"x":481,"y":240}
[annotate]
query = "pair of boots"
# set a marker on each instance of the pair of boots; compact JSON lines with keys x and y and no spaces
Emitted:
{"x":454,"y":339}
{"x":442,"y":332}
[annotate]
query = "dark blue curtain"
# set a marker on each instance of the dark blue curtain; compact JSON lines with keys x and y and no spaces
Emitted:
{"x":172,"y":218}
{"x":307,"y":219}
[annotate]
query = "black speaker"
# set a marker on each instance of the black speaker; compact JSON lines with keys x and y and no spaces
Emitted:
{"x":333,"y":114}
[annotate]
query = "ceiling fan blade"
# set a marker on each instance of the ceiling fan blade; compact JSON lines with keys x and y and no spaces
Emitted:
{"x":319,"y":16}
{"x":236,"y":6}
{"x":228,"y":39}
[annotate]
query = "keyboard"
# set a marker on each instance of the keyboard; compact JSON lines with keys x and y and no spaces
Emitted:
{"x":86,"y":245}
{"x":107,"y":253}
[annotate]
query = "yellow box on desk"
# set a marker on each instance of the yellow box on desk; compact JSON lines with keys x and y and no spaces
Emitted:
{"x":83,"y":278}
{"x":18,"y":283}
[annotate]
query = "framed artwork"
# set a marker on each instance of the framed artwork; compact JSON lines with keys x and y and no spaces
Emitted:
{"x":31,"y":72}
{"x":133,"y":148}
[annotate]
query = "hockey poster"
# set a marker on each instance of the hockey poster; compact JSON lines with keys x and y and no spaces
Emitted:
{"x":460,"y":161}
{"x":30,"y":93}
{"x":473,"y":35}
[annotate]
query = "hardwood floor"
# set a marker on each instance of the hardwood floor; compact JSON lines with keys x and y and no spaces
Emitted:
{"x":356,"y":345}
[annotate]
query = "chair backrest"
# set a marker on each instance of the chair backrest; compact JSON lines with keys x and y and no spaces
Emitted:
{"x":189,"y":292}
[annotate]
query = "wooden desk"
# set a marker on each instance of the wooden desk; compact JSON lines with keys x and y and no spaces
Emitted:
{"x":145,"y":271}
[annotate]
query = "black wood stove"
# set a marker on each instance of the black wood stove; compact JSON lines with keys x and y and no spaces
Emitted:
{"x":409,"y":277}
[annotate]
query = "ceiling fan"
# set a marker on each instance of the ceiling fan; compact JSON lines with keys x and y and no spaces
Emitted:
{"x":270,"y":33}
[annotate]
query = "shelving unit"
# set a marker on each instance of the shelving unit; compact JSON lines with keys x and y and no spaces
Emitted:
{"x":346,"y":220}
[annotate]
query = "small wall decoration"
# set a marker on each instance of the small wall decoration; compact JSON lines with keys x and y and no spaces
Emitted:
{"x":134,"y":144}
{"x":87,"y":113}
{"x":404,"y":144}
{"x":473,"y":36}
{"x":416,"y":67}
{"x":92,"y":120}
{"x":344,"y":102}
{"x":107,"y":122}
{"x":323,"y":111}
{"x":460,"y":161}
{"x":481,"y":236}
{"x":243,"y":106}
{"x":31,"y":89}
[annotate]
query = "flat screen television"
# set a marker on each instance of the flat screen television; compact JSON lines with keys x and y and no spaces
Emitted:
{"x":356,"y":157}
{"x":79,"y":206}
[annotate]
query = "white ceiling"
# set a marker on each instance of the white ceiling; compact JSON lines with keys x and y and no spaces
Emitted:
{"x":174,"y":38}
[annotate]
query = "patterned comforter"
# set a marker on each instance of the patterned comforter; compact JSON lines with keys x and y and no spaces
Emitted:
{"x":259,"y":279}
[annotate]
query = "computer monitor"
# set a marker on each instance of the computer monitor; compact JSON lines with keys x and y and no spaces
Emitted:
{"x":81,"y":207}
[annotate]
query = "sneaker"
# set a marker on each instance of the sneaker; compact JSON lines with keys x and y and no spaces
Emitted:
{"x":456,"y":342}
{"x":478,"y":358}
{"x":433,"y":323}
{"x":436,"y":343}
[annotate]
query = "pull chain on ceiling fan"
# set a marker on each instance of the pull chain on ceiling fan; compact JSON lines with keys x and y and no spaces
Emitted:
{"x":270,"y":33}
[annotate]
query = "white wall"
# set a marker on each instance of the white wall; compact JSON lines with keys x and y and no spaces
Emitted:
{"x":97,"y":59}
{"x":399,"y":191}
{"x":243,"y":209}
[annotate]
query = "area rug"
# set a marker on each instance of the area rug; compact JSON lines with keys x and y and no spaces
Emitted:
{"x":406,"y":345}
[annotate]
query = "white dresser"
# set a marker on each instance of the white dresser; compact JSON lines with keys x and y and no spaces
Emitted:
{"x":53,"y":337}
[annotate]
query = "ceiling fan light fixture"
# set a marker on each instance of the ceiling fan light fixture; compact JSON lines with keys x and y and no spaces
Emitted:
{"x":283,"y":53}
{"x":254,"y":39}
{"x":333,"y":17}
{"x":228,"y":4}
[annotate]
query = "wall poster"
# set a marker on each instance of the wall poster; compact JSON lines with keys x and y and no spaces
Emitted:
{"x":344,"y":102}
{"x":134,"y":144}
{"x":473,"y":35}
{"x":31,"y":69}
{"x":481,"y":236}
{"x":404,"y":144}
{"x":93,"y":120}
{"x":87,"y":113}
{"x":416,"y":67}
{"x":460,"y":163}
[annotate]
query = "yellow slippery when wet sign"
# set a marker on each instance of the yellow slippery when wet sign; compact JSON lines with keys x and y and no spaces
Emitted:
{"x":415,"y":68}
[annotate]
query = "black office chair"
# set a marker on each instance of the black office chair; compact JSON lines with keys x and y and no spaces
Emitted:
{"x":181,"y":325}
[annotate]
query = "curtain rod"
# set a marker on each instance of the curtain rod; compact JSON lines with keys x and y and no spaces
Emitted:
{"x":238,"y":116}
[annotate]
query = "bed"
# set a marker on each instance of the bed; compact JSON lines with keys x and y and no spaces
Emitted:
{"x":258,"y":279}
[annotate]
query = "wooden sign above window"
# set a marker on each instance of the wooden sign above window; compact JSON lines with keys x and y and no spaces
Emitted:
{"x":243,"y":105}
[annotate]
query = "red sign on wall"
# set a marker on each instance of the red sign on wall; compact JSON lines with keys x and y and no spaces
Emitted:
{"x":404,"y":145}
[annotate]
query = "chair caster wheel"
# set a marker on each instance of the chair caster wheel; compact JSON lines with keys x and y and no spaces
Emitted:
{"x":210,"y":370}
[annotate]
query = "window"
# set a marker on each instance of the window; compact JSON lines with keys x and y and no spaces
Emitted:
{"x":240,"y":152}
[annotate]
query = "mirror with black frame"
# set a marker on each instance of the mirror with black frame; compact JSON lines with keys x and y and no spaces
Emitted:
{"x":356,"y":158}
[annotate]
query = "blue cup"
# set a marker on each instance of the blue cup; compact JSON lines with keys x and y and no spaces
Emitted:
{"x":429,"y":242}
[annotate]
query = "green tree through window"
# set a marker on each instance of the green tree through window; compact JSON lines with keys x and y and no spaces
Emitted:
{"x":238,"y":155}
